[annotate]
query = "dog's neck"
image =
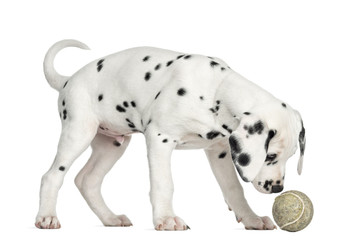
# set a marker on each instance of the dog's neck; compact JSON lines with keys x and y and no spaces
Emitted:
{"x":238,"y":96}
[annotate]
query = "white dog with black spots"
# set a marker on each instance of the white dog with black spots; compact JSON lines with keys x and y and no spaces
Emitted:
{"x":178,"y":101}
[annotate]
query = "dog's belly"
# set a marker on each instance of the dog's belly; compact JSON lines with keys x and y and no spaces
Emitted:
{"x":193,"y":142}
{"x":190,"y":141}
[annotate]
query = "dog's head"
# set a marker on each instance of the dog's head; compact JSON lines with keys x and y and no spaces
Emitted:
{"x":262,"y":144}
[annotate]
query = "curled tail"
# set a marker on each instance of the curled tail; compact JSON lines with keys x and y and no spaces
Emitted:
{"x":55,"y":79}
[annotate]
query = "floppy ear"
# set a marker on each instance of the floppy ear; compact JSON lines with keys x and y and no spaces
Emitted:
{"x":302,"y":141}
{"x":249,"y":144}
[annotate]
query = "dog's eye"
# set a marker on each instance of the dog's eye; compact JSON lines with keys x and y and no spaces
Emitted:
{"x":271,"y":157}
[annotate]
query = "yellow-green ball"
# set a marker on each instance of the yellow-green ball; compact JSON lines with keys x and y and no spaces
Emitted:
{"x":292,"y":211}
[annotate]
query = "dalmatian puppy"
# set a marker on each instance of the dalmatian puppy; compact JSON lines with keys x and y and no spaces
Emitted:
{"x":178,"y":101}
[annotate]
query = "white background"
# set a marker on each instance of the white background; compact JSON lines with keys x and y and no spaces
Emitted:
{"x":304,"y":52}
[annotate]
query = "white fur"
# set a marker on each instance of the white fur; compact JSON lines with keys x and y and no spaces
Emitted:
{"x":192,"y":102}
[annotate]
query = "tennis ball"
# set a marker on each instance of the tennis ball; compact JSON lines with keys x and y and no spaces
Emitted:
{"x":292,"y":211}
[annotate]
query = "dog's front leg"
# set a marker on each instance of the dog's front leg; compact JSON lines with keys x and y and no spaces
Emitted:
{"x":159,"y":149}
{"x":222,"y":166}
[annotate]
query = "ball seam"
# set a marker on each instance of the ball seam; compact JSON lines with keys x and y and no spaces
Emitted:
{"x":302,"y":212}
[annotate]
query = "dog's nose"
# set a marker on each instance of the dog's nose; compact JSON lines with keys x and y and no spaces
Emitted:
{"x":277,"y":188}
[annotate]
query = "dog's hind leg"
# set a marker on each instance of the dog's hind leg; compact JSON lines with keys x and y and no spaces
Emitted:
{"x":106,"y":152}
{"x":77,"y":134}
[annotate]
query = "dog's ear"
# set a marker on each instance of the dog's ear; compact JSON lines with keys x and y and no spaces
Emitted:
{"x":249,"y":144}
{"x":301,"y":139}
{"x":302,"y":142}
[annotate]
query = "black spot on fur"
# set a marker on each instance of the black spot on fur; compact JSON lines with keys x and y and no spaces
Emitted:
{"x":223,"y":69}
{"x":244,"y":159}
{"x":180,"y":56}
{"x":157,"y":95}
{"x":266,"y":184}
{"x":65,"y":84}
{"x":165,"y":140}
{"x":213,"y":64}
{"x":133,"y":104}
{"x":187,"y":57}
{"x":100,"y":62}
{"x":131,"y":124}
{"x":212,"y":134}
{"x":147,"y":76}
{"x":246,"y":113}
{"x":63,"y":103}
{"x":201,"y":97}
{"x":116,"y":143}
{"x":64,"y":114}
{"x":181,"y":92}
{"x":227,"y":128}
{"x":258,"y":127}
{"x":61,"y":168}
{"x":126,"y":104}
{"x":100,"y":65}
{"x":169,"y":63}
{"x":100,"y":97}
{"x":146,"y":58}
{"x":235,"y":146}
{"x":284,"y":105}
{"x":222,"y":154}
{"x":120,"y":108}
{"x":271,"y":134}
{"x":158,"y":66}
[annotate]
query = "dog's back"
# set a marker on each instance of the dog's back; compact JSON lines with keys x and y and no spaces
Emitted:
{"x":130,"y":89}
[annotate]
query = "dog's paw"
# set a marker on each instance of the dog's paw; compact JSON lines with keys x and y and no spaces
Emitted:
{"x":49,"y":222}
{"x":170,"y":224}
{"x":258,"y":223}
{"x":117,"y":221}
